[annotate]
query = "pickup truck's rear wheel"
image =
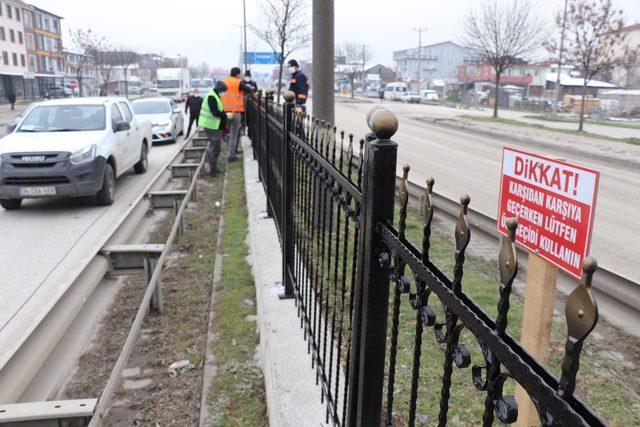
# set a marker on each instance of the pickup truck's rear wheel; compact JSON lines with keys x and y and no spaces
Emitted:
{"x":143,"y":163}
{"x":107,"y":193}
{"x":11,"y":204}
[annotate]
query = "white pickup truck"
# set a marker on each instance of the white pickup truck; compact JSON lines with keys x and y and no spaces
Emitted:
{"x":72,"y":147}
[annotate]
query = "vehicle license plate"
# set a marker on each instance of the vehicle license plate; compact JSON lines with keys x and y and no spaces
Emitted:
{"x":37,"y":191}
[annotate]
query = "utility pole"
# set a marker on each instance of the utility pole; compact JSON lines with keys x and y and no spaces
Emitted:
{"x":364,"y":64}
{"x":562,"y":33}
{"x":323,"y":79}
{"x":244,"y":15}
{"x":419,"y":30}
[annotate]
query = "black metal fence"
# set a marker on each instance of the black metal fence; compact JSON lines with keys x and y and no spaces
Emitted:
{"x":353,"y":272}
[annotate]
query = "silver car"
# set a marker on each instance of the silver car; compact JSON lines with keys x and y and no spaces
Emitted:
{"x":165,"y":116}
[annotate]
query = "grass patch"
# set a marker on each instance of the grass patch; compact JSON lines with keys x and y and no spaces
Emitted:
{"x":561,"y":119}
{"x":237,"y":393}
{"x":610,"y":388}
{"x":634,"y":141}
{"x":514,"y":122}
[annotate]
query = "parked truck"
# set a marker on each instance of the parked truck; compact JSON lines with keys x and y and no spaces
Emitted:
{"x":174,"y":83}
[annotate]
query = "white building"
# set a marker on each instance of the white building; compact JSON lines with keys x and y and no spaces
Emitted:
{"x":619,"y":74}
{"x":13,"y":52}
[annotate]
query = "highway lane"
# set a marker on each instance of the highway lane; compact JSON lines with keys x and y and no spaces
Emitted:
{"x":47,"y":243}
{"x":462,"y":163}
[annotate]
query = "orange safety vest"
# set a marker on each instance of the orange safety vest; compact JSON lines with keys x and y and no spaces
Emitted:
{"x":233,"y":98}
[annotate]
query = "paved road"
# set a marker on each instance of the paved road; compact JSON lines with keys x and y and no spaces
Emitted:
{"x":45,"y":245}
{"x":441,"y":111}
{"x":464,"y":163}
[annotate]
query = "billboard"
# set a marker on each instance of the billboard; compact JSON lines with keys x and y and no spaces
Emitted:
{"x":554,"y":203}
{"x":265,"y":58}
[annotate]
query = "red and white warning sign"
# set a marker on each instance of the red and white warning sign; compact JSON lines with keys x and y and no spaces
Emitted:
{"x":554,"y":203}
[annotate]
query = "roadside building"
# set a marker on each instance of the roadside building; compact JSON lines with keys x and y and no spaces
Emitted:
{"x":30,"y":83}
{"x":518,"y":82}
{"x":437,"y":61}
{"x":380,"y":74}
{"x":49,"y":54}
{"x":570,"y":85}
{"x":622,"y":77}
{"x":13,"y":64}
{"x":530,"y":77}
{"x":627,"y":101}
{"x":78,"y":66}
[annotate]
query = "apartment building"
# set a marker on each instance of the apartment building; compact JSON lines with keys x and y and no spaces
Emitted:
{"x":13,"y":53}
{"x":49,"y":55}
{"x":31,"y":57}
{"x":436,"y":61}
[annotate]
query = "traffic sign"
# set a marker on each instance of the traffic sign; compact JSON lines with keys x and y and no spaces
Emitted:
{"x":554,"y":203}
{"x":262,"y":58}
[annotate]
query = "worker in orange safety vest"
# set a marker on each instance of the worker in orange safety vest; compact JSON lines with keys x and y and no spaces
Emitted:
{"x":233,"y":103}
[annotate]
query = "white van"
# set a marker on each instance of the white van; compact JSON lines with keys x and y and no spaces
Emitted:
{"x":395,"y":90}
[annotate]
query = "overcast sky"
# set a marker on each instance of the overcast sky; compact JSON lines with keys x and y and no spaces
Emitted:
{"x":205,"y":31}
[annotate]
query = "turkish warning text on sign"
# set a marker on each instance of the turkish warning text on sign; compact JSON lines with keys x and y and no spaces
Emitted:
{"x":554,"y":203}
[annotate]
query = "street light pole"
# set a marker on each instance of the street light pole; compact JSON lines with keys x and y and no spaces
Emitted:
{"x":242,"y":52}
{"x":323,"y":60}
{"x":244,"y":15}
{"x":562,"y":33}
{"x":419,"y":30}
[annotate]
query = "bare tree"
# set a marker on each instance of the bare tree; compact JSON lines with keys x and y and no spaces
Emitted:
{"x":200,"y":71}
{"x":204,"y":69}
{"x":630,"y":62}
{"x":125,"y":58}
{"x":88,"y":44}
{"x":593,"y":33}
{"x":284,"y":27}
{"x":502,"y":33}
{"x":104,"y":64}
{"x":355,"y":56}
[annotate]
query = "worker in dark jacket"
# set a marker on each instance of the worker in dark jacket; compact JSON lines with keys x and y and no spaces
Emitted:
{"x":213,"y":120}
{"x":299,"y":84}
{"x":249,"y":81}
{"x":192,"y":106}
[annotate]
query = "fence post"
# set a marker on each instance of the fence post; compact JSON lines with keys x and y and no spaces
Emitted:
{"x":372,"y":288}
{"x":268,"y":98}
{"x":287,"y":203}
{"x":257,"y":134}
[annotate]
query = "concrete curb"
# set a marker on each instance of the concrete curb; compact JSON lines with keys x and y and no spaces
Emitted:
{"x":293,"y":399}
{"x":210,"y":366}
{"x":452,"y":123}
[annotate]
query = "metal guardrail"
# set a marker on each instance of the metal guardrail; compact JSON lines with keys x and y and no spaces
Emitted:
{"x":125,"y":259}
{"x":152,"y":289}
